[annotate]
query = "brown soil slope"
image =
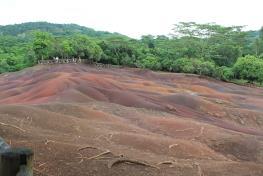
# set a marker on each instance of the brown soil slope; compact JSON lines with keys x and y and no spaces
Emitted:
{"x":162,"y":123}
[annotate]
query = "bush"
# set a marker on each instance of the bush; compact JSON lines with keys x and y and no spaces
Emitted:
{"x":167,"y":64}
{"x":127,"y":61}
{"x":197,"y":66}
{"x":224,"y":73}
{"x":207,"y":68}
{"x":150,"y":62}
{"x":184,"y":65}
{"x":249,"y":68}
{"x":4,"y":67}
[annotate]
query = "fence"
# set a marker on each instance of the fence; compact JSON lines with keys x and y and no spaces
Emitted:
{"x":64,"y":61}
{"x":15,"y":161}
{"x":100,"y":65}
{"x":76,"y":61}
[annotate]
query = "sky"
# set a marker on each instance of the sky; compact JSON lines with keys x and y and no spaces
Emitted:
{"x":134,"y":17}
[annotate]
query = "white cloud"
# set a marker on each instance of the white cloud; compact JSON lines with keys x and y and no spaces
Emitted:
{"x":133,"y":17}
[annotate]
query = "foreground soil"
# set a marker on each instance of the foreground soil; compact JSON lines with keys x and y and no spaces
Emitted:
{"x":81,"y":120}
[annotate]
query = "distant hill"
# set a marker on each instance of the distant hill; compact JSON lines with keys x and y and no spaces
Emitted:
{"x":55,"y":29}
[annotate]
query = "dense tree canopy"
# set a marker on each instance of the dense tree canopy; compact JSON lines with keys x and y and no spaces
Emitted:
{"x":43,"y":45}
{"x":226,"y":53}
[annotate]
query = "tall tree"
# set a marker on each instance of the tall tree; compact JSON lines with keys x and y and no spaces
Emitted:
{"x":221,"y":44}
{"x":148,"y":40}
{"x":85,"y":47}
{"x":42,"y":44}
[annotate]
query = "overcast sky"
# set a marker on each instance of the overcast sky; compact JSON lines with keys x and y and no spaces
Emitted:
{"x":133,"y":17}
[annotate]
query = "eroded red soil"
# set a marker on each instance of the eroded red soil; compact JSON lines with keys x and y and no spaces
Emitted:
{"x":201,"y":126}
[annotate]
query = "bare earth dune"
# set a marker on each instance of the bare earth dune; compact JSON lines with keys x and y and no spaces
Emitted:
{"x":81,"y":120}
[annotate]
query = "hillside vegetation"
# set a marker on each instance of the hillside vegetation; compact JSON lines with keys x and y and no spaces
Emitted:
{"x":226,"y":53}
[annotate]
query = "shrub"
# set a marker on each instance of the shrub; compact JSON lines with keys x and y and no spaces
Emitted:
{"x":207,"y":68}
{"x":197,"y":66}
{"x":249,"y":68}
{"x":224,"y":73}
{"x":184,"y":65}
{"x":167,"y":64}
{"x":150,"y":62}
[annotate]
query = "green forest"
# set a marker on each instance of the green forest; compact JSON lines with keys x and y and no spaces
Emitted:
{"x":222,"y":52}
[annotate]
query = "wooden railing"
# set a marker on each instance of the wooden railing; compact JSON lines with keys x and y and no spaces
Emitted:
{"x":15,"y":161}
{"x":76,"y":61}
{"x":100,"y":65}
{"x":64,"y":61}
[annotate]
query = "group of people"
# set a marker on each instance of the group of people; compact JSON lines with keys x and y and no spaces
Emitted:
{"x":73,"y":60}
{"x":57,"y":60}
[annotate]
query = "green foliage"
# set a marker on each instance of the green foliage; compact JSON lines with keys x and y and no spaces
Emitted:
{"x":195,"y":66}
{"x":42,"y":44}
{"x":224,"y":73}
{"x":67,"y":49}
{"x":150,"y":62}
{"x":46,"y":46}
{"x":148,"y":40}
{"x":207,"y":68}
{"x":224,"y":55}
{"x":249,"y":68}
{"x":184,"y":65}
{"x":13,"y":54}
{"x":215,"y":48}
{"x":166,"y":64}
{"x":221,"y":44}
{"x":4,"y":67}
{"x":120,"y":51}
{"x":55,"y":29}
{"x":84,"y":47}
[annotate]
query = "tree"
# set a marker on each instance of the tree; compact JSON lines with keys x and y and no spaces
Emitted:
{"x":261,"y":33}
{"x":120,"y":50}
{"x":221,"y":44}
{"x":67,"y":48}
{"x":204,"y":49}
{"x":42,"y":44}
{"x":257,"y":46}
{"x":260,"y":42}
{"x":85,"y":47}
{"x":148,"y":40}
{"x":224,"y":54}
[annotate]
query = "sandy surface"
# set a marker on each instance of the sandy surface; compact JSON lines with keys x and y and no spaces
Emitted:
{"x":165,"y":124}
